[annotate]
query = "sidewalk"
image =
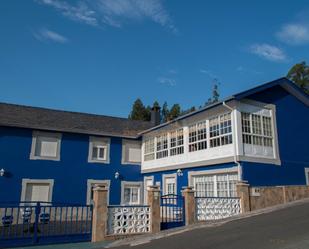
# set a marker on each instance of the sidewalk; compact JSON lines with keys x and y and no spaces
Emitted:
{"x":81,"y":245}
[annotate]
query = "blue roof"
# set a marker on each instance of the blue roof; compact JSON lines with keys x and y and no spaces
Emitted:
{"x":283,"y":82}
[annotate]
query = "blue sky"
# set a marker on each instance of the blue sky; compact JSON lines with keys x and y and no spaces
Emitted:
{"x":98,"y":56}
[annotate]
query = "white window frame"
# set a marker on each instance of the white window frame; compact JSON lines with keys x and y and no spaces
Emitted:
{"x":105,"y":143}
{"x":178,"y":146}
{"x":168,"y":176}
{"x":260,"y":135}
{"x":164,"y":141}
{"x":35,"y":135}
{"x":26,"y":181}
{"x":307,"y":175}
{"x":221,"y":135}
{"x":91,"y":182}
{"x":147,"y":178}
{"x":149,"y":143}
{"x":191,"y":174}
{"x":196,"y":141}
{"x":124,"y":184}
{"x":126,"y":143}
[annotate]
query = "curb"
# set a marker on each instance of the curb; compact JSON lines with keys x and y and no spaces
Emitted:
{"x":142,"y":239}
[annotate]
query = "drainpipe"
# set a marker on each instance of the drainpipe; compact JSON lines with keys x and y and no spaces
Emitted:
{"x":234,"y":142}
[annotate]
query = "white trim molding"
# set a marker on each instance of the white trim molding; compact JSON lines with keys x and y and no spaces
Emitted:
{"x":91,"y":182}
{"x":26,"y":181}
{"x":105,"y":142}
{"x":307,"y":175}
{"x":131,"y":183}
{"x":35,"y":135}
{"x":164,"y":177}
{"x":126,"y":144}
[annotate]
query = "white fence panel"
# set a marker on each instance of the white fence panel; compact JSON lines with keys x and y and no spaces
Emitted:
{"x":128,"y":219}
{"x":215,"y":208}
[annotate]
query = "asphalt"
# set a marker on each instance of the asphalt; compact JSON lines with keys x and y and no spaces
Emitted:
{"x":286,"y":228}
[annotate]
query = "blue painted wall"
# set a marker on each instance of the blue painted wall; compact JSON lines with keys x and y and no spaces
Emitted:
{"x":70,"y":174}
{"x":182,"y":181}
{"x":293,"y":135}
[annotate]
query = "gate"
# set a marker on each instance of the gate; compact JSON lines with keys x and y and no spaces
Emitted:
{"x":29,"y":223}
{"x":172,"y":211}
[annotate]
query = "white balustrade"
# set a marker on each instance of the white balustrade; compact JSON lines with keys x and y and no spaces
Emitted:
{"x":209,"y":208}
{"x":128,"y":219}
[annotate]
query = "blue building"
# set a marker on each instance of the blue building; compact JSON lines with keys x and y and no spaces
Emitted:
{"x":259,"y":136}
{"x":58,"y":156}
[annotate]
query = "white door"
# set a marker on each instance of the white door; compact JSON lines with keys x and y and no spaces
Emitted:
{"x":37,"y":192}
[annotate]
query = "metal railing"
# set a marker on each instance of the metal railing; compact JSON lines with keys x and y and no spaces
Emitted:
{"x":28,"y":223}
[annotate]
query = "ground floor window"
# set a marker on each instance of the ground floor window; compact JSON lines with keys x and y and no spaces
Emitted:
{"x":216,"y":185}
{"x":36,"y":190}
{"x":91,"y":184}
{"x":131,"y":193}
{"x":169,"y":184}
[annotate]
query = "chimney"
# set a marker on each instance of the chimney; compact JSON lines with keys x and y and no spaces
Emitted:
{"x":155,"y":116}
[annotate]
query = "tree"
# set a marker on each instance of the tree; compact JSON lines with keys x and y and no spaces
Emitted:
{"x":299,"y":74}
{"x":215,"y":93}
{"x":174,"y":112}
{"x":164,"y":112}
{"x":139,"y":111}
{"x":156,"y":105}
{"x":184,"y":112}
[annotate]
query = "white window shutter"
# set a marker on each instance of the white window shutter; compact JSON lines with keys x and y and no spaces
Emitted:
{"x":134,"y":154}
{"x":49,"y":148}
{"x":37,"y":192}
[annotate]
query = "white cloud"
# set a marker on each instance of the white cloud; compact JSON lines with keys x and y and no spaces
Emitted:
{"x":208,"y":73}
{"x":172,"y":71}
{"x":113,"y":12}
{"x":242,"y":69}
{"x":294,"y":34}
{"x":268,"y":52}
{"x":167,"y":81}
{"x":81,"y":12}
{"x":48,"y":35}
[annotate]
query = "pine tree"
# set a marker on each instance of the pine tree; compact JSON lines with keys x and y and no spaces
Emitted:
{"x":164,"y":112}
{"x":139,"y":111}
{"x":215,"y":93}
{"x":174,"y":112}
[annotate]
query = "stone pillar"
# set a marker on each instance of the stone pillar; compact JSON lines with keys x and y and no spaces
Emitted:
{"x":154,"y":203}
{"x":243,"y":192}
{"x":99,"y":216}
{"x":189,"y":199}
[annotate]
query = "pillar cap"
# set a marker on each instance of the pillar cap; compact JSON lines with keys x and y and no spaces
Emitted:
{"x":153,"y":188}
{"x":100,"y":188}
{"x":187,"y":188}
{"x":242,"y":183}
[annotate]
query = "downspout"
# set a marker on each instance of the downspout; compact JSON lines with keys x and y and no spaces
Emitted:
{"x":234,"y":142}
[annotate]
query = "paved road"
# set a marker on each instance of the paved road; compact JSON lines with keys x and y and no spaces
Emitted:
{"x":282,"y":229}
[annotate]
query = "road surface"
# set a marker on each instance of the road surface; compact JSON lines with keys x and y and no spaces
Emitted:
{"x":282,"y":229}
